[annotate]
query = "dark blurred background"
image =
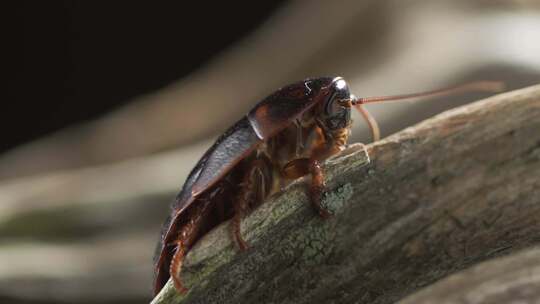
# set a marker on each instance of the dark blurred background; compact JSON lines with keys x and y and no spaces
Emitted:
{"x":79,"y":59}
{"x":110,"y":104}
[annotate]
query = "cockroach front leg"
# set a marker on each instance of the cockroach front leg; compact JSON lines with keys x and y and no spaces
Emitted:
{"x":254,"y":187}
{"x":317,"y":188}
{"x":303,"y":166}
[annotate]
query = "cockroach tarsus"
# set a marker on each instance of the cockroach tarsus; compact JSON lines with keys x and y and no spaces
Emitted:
{"x":285,"y":136}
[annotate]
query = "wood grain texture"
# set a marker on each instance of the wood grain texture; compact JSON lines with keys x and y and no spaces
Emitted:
{"x":454,"y":190}
{"x":512,"y":279}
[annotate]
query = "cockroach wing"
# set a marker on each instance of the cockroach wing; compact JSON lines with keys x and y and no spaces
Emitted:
{"x":278,"y":110}
{"x":230,"y":148}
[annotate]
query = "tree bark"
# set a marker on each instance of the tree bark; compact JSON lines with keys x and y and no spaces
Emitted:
{"x":457,"y":189}
{"x":512,"y":279}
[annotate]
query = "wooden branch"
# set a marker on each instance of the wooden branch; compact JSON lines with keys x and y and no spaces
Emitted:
{"x":512,"y":279}
{"x":454,"y":190}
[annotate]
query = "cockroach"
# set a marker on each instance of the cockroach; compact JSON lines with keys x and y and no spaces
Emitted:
{"x":285,"y":136}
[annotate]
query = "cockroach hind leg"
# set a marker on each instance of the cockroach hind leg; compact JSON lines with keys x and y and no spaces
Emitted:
{"x":249,"y":191}
{"x":178,"y":285}
{"x":236,"y":231}
{"x":176,"y":266}
{"x":242,"y":244}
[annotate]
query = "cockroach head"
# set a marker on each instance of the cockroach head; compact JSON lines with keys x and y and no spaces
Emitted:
{"x":335,"y":110}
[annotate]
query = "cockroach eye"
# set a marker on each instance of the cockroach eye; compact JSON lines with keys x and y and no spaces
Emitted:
{"x":340,"y":84}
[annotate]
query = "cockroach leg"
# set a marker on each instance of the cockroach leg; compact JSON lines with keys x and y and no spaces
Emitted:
{"x":253,"y":187}
{"x":176,"y":265}
{"x":186,"y":237}
{"x":317,"y":188}
{"x":296,"y":168}
{"x":299,"y":137}
{"x":240,"y":210}
{"x":303,"y":166}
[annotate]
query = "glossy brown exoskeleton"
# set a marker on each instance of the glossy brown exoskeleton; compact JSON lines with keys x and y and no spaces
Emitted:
{"x":286,"y":136}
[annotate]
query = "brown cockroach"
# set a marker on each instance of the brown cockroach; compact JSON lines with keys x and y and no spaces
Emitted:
{"x":285,"y":136}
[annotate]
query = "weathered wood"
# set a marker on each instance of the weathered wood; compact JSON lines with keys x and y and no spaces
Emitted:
{"x":454,"y":190}
{"x":512,"y":279}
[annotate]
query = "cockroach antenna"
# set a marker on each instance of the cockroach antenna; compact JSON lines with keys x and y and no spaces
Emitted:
{"x":477,"y":86}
